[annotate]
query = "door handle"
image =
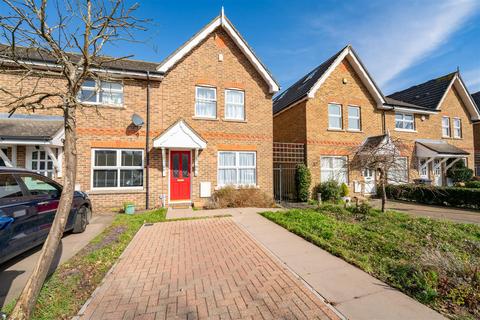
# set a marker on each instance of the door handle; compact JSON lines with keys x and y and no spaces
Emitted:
{"x":43,"y":203}
{"x":5,"y":222}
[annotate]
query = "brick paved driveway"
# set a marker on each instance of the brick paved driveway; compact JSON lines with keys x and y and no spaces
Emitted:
{"x":201,"y":269}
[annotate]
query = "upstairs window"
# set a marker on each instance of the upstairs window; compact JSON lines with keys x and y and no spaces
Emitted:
{"x":446,"y":127}
{"x":206,"y":102}
{"x":457,"y":128}
{"x":102,"y":92}
{"x":334,"y":116}
{"x":234,"y":105}
{"x":354,"y":118}
{"x":404,"y":121}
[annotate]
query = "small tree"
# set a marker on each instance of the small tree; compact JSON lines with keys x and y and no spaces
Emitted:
{"x":381,"y":154}
{"x":303,"y":179}
{"x":49,"y":31}
{"x":459,"y":172}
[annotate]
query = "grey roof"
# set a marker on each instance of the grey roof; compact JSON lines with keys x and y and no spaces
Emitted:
{"x":398,"y":103}
{"x":426,"y":95}
{"x":476,"y":98}
{"x":300,"y":89}
{"x":43,"y":56}
{"x":442,"y":147}
{"x":31,"y":129}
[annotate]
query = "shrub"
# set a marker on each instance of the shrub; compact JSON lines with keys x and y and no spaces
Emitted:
{"x":303,"y":179}
{"x":444,"y":196}
{"x":344,"y":191}
{"x":230,"y":197}
{"x":361,"y":211}
{"x":330,"y":190}
{"x":472,"y":184}
{"x":459,"y":172}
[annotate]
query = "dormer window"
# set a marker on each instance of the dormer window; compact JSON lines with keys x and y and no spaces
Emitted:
{"x":102,"y":92}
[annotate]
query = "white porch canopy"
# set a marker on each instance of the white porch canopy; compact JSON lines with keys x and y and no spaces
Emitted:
{"x":179,"y":136}
{"x":44,"y":133}
{"x":430,"y":150}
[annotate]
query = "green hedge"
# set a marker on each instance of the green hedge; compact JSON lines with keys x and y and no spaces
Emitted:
{"x":472,"y":184}
{"x":444,"y":196}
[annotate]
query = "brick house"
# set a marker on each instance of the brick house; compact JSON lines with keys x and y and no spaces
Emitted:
{"x":337,"y":107}
{"x":476,"y":134}
{"x":163,"y":133}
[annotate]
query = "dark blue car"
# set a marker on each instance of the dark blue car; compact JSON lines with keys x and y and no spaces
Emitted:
{"x":28,"y":203}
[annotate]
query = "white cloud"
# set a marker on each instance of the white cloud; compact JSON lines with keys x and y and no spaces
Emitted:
{"x":472,"y":79}
{"x":393,"y":37}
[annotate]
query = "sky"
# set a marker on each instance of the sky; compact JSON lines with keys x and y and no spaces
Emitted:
{"x":402,"y":43}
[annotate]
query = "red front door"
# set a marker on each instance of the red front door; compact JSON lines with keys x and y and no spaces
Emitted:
{"x":179,"y":175}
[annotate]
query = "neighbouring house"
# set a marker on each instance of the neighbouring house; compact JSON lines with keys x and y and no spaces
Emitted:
{"x":476,"y":134}
{"x":159,"y":133}
{"x":337,"y":107}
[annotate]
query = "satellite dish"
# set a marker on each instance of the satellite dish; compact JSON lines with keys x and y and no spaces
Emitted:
{"x":137,"y":120}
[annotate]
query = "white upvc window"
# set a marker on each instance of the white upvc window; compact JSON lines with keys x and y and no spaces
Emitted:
{"x":237,"y":168}
{"x":354,"y":123}
{"x":102,"y":92}
{"x":117,"y":168}
{"x":404,"y":121}
{"x":445,"y":126}
{"x":457,"y":128}
{"x":423,"y":168}
{"x":234,"y":104}
{"x":334,"y":168}
{"x":41,"y":163}
{"x":206,"y":102}
{"x":334,"y":116}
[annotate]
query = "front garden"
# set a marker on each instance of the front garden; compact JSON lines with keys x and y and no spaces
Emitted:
{"x":64,"y":292}
{"x":435,"y":262}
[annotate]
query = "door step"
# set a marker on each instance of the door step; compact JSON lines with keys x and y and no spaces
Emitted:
{"x":184,"y":205}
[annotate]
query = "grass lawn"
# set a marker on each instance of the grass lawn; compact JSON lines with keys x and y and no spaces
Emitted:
{"x":435,"y":262}
{"x":64,"y":293}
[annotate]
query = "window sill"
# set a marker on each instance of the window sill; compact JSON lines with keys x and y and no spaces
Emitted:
{"x":235,"y":120}
{"x":100,"y":105}
{"x":115,"y":191}
{"x":335,"y":130}
{"x":218,"y":187}
{"x":354,"y":131}
{"x":405,"y":130}
{"x":205,"y":118}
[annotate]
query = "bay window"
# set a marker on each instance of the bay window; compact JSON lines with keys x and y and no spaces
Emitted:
{"x":237,"y":168}
{"x":234,"y":105}
{"x":334,"y":168}
{"x":102,"y":92}
{"x":206,"y":102}
{"x":117,"y":168}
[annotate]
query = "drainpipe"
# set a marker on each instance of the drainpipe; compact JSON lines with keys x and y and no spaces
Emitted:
{"x":147,"y":146}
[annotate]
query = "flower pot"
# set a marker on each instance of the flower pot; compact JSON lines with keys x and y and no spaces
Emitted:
{"x":130,"y":209}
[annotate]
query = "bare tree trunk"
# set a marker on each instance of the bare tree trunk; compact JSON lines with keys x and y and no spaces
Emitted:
{"x":26,"y":302}
{"x":384,"y":195}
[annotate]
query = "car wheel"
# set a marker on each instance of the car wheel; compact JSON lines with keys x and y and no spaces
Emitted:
{"x":80,"y":220}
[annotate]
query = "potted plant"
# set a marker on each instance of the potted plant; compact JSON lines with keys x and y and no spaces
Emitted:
{"x":129,"y":207}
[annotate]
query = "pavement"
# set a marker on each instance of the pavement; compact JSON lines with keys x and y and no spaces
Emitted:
{"x":14,"y":273}
{"x":198,"y":269}
{"x":247,"y":264}
{"x":436,"y":212}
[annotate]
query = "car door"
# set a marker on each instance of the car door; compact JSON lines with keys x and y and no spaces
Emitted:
{"x":44,"y":195}
{"x":18,"y":228}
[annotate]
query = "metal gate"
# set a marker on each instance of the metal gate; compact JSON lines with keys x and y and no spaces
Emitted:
{"x":286,"y":156}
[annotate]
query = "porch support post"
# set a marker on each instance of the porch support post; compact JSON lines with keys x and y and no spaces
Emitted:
{"x":164,"y":162}
{"x":196,"y":163}
{"x":14,"y":155}
{"x":5,"y":159}
{"x":52,"y":156}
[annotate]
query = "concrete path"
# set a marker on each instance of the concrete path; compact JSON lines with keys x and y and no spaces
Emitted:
{"x":422,"y":210}
{"x":199,"y":269}
{"x":354,"y":293}
{"x":14,"y":273}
